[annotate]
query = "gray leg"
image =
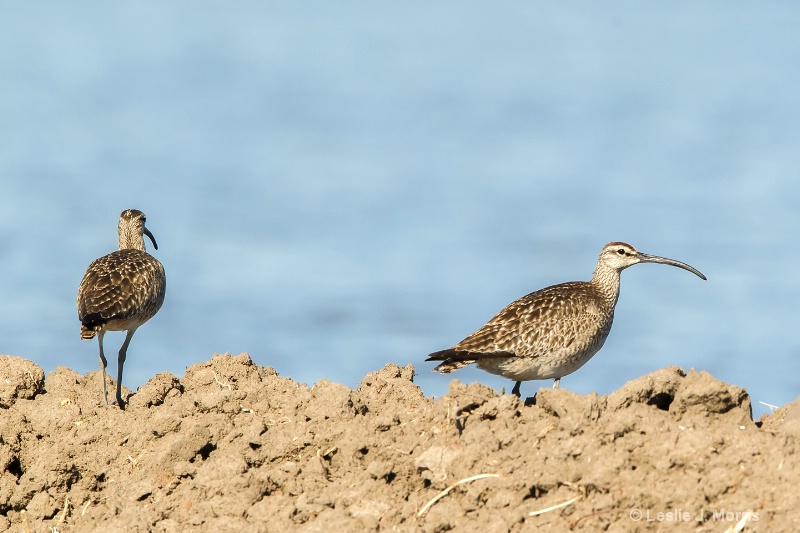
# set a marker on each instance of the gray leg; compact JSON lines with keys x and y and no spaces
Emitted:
{"x":556,"y":383}
{"x":120,"y":363}
{"x":515,"y":390}
{"x":103,"y":365}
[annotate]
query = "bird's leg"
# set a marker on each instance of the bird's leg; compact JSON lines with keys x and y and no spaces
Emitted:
{"x":515,"y":390}
{"x":120,"y":363}
{"x":103,"y":365}
{"x":556,"y":383}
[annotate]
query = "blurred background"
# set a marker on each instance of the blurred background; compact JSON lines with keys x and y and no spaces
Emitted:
{"x":335,"y":186}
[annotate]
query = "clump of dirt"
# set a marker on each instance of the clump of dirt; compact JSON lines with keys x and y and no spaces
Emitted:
{"x":233,"y":446}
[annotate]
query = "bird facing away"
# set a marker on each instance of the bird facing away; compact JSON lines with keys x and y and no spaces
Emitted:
{"x":552,"y":332}
{"x":121,"y":291}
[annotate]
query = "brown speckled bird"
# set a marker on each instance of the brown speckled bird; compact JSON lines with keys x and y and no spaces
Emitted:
{"x":121,"y":291}
{"x":552,"y":332}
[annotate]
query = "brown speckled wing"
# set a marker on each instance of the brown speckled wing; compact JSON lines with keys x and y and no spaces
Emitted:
{"x":123,"y":285}
{"x":536,"y":324}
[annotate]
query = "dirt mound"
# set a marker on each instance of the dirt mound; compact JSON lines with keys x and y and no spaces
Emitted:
{"x":235,"y":447}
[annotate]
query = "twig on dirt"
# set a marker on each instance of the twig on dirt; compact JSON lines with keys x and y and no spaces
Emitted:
{"x":30,"y":375}
{"x":85,"y":506}
{"x":572,"y":525}
{"x":410,"y":421}
{"x":741,"y":523}
{"x":396,"y":449}
{"x":221,"y":384}
{"x":276,"y":421}
{"x":446,"y":491}
{"x":321,"y":456}
{"x":25,"y":522}
{"x":64,"y":514}
{"x":555,"y":507}
{"x":771,"y":407}
{"x":135,"y":462}
{"x":329,"y":452}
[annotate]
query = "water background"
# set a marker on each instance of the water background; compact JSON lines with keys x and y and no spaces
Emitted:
{"x":335,"y":186}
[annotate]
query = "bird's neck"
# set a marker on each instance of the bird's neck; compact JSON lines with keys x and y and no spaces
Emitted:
{"x":128,"y":240}
{"x":606,"y":281}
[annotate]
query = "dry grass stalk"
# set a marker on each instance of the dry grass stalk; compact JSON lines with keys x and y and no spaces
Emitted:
{"x":446,"y":491}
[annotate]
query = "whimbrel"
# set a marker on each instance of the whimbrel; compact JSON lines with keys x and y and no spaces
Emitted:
{"x":121,"y":291}
{"x":552,"y":332}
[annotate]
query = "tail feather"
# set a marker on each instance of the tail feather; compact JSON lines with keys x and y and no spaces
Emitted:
{"x":441,"y":355}
{"x":90,"y":325}
{"x":453,"y":355}
{"x":87,"y":333}
{"x":455,"y":359}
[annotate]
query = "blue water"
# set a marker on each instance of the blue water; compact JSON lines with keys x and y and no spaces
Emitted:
{"x":335,"y":186}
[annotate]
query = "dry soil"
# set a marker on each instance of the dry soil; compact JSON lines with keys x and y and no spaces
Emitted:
{"x":233,"y":446}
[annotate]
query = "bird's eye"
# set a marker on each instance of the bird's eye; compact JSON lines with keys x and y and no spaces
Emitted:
{"x":621,"y":251}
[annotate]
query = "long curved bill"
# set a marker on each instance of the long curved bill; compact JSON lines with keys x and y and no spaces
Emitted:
{"x":153,"y":239}
{"x":646,"y":258}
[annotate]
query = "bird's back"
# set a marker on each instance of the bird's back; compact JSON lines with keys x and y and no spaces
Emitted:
{"x":119,"y":291}
{"x":562,"y":318}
